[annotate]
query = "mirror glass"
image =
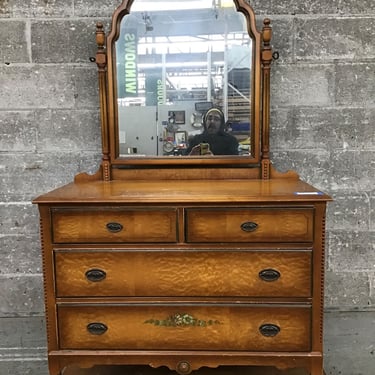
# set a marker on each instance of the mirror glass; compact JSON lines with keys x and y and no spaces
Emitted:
{"x":175,"y":61}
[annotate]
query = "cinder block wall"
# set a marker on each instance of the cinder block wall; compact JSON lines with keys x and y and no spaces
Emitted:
{"x":323,"y":115}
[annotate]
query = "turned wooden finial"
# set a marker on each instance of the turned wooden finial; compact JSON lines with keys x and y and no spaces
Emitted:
{"x":101,"y":59}
{"x":100,"y":36}
{"x":267,"y":31}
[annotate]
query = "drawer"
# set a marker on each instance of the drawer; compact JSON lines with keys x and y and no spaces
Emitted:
{"x":250,"y":225}
{"x":183,"y":273}
{"x":106,"y":225}
{"x":178,"y":327}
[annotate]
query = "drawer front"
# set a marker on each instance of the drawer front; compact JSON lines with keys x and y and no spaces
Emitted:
{"x":111,"y":225}
{"x":183,"y":273}
{"x":250,"y":225}
{"x":158,"y":327}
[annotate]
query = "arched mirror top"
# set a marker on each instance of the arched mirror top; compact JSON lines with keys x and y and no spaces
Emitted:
{"x":183,"y":84}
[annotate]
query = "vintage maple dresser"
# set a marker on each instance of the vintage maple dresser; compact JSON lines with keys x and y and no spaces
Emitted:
{"x":182,"y":261}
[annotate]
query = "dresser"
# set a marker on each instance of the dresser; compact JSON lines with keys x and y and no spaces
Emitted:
{"x":184,"y":274}
{"x":176,"y":260}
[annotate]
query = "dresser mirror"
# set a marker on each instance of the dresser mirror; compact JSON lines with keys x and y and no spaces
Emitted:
{"x":170,"y":62}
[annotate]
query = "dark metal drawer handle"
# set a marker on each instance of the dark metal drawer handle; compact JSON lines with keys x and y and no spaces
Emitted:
{"x":269,"y":330}
{"x":114,"y":227}
{"x":97,"y":328}
{"x":95,"y":275}
{"x":269,"y":274}
{"x":249,"y":226}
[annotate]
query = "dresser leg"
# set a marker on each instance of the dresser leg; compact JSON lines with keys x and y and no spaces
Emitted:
{"x":54,"y":368}
{"x":317,"y":366}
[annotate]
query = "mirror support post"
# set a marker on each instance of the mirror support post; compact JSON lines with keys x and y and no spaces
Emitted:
{"x":101,"y":62}
{"x":266,"y":71}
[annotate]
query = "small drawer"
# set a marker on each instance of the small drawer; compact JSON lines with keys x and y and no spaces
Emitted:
{"x":178,"y":327}
{"x":106,"y":225}
{"x":191,"y":273}
{"x":250,"y":225}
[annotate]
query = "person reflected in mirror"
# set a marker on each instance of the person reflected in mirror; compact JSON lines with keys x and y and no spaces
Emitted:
{"x":215,"y":140}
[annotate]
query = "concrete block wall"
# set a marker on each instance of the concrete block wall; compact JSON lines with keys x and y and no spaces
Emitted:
{"x":323,"y":126}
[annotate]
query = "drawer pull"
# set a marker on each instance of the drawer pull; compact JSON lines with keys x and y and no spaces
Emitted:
{"x":97,"y":328}
{"x":269,"y":275}
{"x":249,"y":226}
{"x":269,"y":330}
{"x":114,"y":227}
{"x":95,"y":275}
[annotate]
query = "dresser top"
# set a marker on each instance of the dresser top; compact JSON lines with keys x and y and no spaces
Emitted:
{"x":185,"y":191}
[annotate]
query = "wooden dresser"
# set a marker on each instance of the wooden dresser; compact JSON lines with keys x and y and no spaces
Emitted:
{"x":184,"y":273}
{"x":186,"y":260}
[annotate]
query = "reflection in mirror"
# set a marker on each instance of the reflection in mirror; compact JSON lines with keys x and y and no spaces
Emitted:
{"x":175,"y":60}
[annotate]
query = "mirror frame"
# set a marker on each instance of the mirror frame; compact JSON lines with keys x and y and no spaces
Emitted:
{"x":106,"y":61}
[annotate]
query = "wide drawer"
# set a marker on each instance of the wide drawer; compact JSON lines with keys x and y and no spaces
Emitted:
{"x":193,"y":327}
{"x":106,"y":225}
{"x":183,"y":273}
{"x":250,"y":225}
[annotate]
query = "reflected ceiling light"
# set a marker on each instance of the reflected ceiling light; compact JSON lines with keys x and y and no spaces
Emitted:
{"x":141,"y":5}
{"x":178,"y":64}
{"x":226,"y":3}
